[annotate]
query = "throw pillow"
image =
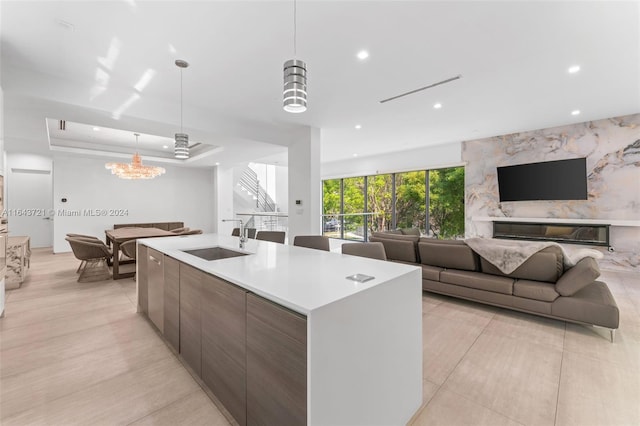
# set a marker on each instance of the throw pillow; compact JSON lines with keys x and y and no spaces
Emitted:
{"x":575,"y":279}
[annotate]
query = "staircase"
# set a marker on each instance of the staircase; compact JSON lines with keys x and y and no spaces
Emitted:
{"x":249,"y":196}
{"x":249,"y":184}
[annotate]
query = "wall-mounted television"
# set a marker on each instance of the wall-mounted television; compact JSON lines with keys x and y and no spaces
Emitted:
{"x":549,"y":180}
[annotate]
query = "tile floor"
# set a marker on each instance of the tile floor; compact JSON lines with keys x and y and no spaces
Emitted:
{"x":73,"y":353}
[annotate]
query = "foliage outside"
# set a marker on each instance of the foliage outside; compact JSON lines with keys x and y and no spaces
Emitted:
{"x":446,"y":203}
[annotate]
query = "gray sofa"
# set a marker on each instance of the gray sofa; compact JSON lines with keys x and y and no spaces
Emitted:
{"x":539,"y":286}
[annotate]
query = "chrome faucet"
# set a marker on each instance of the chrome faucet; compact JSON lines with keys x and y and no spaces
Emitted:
{"x":243,"y":237}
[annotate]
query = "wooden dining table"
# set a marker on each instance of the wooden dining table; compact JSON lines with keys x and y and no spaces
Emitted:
{"x":115,"y":237}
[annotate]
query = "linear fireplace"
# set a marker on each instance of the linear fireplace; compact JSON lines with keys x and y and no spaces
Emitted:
{"x":570,"y":233}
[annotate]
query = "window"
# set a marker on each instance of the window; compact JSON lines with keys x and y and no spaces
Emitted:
{"x":353,"y":208}
{"x":446,"y":202}
{"x":331,"y":207}
{"x":411,"y":202}
{"x":430,"y":200}
{"x":379,"y":202}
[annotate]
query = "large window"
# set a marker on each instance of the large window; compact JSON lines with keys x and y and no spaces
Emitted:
{"x":430,"y":200}
{"x":411,"y":201}
{"x":332,"y":207}
{"x":446,"y":202}
{"x":353,"y":208}
{"x":380,"y":202}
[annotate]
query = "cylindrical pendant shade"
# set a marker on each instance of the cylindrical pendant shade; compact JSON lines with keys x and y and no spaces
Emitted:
{"x":295,"y":86}
{"x":182,"y":146}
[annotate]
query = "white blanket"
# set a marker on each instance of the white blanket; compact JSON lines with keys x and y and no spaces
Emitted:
{"x":508,"y":255}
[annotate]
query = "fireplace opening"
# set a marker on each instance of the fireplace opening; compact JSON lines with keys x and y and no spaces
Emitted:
{"x":571,"y":233}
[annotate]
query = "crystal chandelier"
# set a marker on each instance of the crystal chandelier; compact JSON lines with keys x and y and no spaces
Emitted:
{"x":295,"y":78}
{"x":135,"y":170}
{"x":182,"y":139}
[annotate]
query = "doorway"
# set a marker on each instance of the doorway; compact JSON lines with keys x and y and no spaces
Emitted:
{"x":30,"y":205}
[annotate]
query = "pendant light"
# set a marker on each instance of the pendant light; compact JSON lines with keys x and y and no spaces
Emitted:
{"x":135,"y":170}
{"x":295,"y":78}
{"x":182,"y":139}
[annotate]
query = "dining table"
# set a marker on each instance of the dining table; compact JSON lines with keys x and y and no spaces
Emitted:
{"x":115,"y":237}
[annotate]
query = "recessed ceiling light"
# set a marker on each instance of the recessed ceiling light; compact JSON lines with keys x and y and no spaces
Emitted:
{"x":96,"y":129}
{"x":437,"y":105}
{"x":165,"y":146}
{"x":362,"y":55}
{"x":355,"y":155}
{"x":575,"y":112}
{"x":358,"y":127}
{"x":574,"y":69}
{"x":217,"y":163}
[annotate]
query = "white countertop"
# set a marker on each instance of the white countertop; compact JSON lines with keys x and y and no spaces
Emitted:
{"x":299,"y":278}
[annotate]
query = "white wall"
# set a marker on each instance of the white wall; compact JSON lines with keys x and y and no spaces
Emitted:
{"x":29,"y":188}
{"x":181,"y":194}
{"x":305,"y":185}
{"x":224,"y":183}
{"x":282,"y":188}
{"x":416,"y":159}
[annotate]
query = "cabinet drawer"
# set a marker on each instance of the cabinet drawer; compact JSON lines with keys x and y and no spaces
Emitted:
{"x":172,"y":301}
{"x":276,"y":364}
{"x":224,"y":344}
{"x":156,"y":288}
{"x":142,"y":277}
{"x":190,"y":328}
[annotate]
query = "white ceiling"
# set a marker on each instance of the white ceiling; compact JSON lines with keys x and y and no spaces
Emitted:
{"x":513,"y":57}
{"x":68,"y":136}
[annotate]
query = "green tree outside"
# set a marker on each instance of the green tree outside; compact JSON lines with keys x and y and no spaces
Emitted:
{"x":446,"y":203}
{"x":411,"y":201}
{"x":353,"y":190}
{"x":379,"y":196}
{"x":331,"y":196}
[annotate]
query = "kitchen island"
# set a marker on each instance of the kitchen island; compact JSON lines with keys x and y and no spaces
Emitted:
{"x":280,"y":336}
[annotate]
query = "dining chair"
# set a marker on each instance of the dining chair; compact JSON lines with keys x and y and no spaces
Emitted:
{"x":95,"y":255}
{"x":273,"y":236}
{"x":318,"y":242}
{"x":91,"y":237}
{"x":370,"y":250}
{"x":251,"y":232}
{"x":129,"y":249}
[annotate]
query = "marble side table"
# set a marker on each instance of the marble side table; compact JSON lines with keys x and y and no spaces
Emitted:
{"x":18,"y":261}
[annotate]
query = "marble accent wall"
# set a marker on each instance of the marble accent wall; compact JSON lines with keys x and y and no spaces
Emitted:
{"x":612,"y":150}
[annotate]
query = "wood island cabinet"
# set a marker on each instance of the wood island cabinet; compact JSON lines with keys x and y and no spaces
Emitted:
{"x":142,"y":277}
{"x":156,"y":288}
{"x":276,"y":364}
{"x":224,"y":312}
{"x":172,"y":302}
{"x":191,"y":280}
{"x":250,"y":352}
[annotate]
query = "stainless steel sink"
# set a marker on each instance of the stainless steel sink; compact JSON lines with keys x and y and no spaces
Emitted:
{"x":215,"y":253}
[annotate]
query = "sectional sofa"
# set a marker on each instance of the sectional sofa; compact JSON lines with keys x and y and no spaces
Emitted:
{"x":540,"y":286}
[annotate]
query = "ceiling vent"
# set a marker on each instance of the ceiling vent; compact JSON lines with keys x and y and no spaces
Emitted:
{"x":457,"y":77}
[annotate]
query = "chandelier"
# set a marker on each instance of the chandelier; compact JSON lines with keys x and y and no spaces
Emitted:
{"x":182,"y":139}
{"x":295,"y":78}
{"x":135,"y":170}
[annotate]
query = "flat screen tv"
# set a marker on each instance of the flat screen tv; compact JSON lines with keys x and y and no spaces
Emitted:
{"x":549,"y":180}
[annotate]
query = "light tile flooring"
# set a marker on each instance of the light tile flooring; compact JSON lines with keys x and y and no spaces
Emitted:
{"x":73,"y":353}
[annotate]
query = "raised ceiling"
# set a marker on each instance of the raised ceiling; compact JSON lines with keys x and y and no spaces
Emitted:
{"x":112,"y":64}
